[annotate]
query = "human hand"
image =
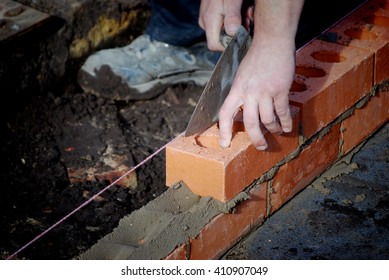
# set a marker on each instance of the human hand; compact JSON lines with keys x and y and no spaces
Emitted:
{"x":216,"y":14}
{"x":261,"y":87}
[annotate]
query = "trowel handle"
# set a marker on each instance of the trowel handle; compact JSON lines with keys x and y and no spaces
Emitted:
{"x":225,"y":39}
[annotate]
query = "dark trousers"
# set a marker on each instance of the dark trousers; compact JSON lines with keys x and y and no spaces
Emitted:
{"x":175,"y":22}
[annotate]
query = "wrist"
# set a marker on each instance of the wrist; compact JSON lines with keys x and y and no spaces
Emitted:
{"x":276,"y":21}
{"x":274,"y":44}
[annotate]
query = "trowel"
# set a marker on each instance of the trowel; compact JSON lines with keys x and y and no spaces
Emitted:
{"x":219,"y":85}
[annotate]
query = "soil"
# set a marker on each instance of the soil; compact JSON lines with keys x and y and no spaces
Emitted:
{"x":36,"y":191}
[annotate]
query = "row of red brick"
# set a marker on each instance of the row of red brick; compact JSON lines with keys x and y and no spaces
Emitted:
{"x":290,"y":178}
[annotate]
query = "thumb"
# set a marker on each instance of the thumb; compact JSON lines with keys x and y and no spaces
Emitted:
{"x":232,"y":16}
{"x":231,"y":28}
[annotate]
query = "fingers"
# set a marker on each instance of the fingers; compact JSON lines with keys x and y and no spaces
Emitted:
{"x":226,"y":119}
{"x":250,"y":118}
{"x":283,"y":112}
{"x":211,"y":20}
{"x":249,"y":19}
{"x":252,"y":123}
{"x":268,"y":117}
{"x":212,"y":33}
{"x":250,"y":13}
{"x":255,"y":112}
{"x":216,"y":14}
{"x":232,"y":18}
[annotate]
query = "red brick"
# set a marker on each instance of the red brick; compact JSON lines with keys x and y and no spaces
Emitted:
{"x":365,"y":121}
{"x":223,"y":173}
{"x":296,"y":174}
{"x":226,"y":229}
{"x":381,"y":69}
{"x":179,"y":253}
{"x":378,"y":23}
{"x":356,"y":32}
{"x":348,"y":76}
{"x":378,"y":17}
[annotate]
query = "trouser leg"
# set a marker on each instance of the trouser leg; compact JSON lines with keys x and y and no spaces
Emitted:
{"x":175,"y":22}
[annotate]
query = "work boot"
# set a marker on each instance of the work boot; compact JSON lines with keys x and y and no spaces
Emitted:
{"x":145,"y":68}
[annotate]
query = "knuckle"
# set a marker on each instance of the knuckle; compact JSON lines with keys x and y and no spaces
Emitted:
{"x":213,"y":46}
{"x":258,"y":141}
{"x":268,"y":121}
{"x":223,"y":113}
{"x":283,"y":112}
{"x":226,"y":112}
{"x":250,"y":124}
{"x":201,"y":23}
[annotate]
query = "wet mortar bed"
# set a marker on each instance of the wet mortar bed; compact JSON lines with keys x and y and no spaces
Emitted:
{"x":38,"y":129}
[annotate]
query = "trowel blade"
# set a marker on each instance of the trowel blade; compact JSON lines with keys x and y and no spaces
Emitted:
{"x":219,"y":85}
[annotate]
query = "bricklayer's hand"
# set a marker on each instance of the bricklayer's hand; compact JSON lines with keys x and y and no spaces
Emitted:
{"x":264,"y":77}
{"x":261,"y":86}
{"x":216,"y":14}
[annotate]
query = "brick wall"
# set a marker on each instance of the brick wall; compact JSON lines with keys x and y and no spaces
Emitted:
{"x":339,"y":97}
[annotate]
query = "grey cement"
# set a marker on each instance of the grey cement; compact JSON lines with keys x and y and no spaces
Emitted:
{"x":344,"y":214}
{"x":154,"y":231}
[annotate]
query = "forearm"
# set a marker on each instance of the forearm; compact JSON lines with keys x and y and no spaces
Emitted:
{"x":276,"y":20}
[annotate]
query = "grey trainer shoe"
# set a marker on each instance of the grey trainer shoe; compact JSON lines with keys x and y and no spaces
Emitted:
{"x":144,"y":68}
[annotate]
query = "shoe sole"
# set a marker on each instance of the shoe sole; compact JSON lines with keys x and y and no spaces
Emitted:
{"x":109,"y":85}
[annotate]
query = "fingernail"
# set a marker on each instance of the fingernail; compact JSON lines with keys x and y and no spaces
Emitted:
{"x":224,"y":144}
{"x":261,"y":148}
{"x":232,"y":29}
{"x":287,"y":129}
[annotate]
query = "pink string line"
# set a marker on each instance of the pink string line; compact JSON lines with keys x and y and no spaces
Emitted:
{"x":91,"y":199}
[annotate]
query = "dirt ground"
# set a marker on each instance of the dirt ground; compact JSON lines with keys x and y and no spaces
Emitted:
{"x":36,"y":190}
{"x":39,"y":131}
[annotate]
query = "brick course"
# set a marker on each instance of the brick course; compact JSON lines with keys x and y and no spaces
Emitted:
{"x":226,"y":229}
{"x":365,"y":121}
{"x":335,"y":89}
{"x":296,"y":174}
